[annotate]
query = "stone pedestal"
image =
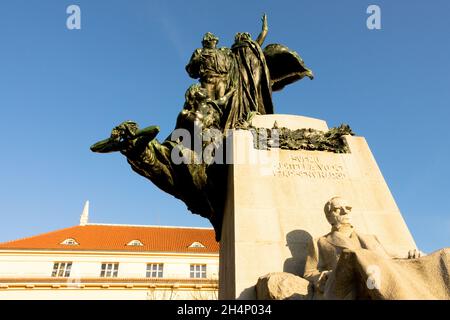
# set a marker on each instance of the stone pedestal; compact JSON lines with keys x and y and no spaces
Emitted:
{"x":275,"y":205}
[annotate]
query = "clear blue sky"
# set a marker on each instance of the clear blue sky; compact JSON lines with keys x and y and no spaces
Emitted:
{"x":62,"y":90}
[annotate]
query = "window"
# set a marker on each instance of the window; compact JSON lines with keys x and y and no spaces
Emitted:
{"x":154,"y":270}
{"x":196,"y":245}
{"x":135,"y":243}
{"x":61,"y":269}
{"x":109,"y":270}
{"x":198,"y":270}
{"x":69,"y":242}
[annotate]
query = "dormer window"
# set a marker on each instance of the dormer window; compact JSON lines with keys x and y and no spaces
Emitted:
{"x":196,"y":245}
{"x":135,"y":243}
{"x":70,"y":242}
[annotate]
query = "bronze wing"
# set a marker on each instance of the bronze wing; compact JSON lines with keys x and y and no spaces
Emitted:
{"x":285,"y":66}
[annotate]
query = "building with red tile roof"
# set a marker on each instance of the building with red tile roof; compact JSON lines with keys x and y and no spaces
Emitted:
{"x":106,"y":261}
{"x":109,"y":237}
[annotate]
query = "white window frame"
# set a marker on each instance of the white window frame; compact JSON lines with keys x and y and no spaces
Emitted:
{"x":198,"y":271}
{"x":109,"y":270}
{"x":135,"y":243}
{"x":197,"y":244}
{"x":70,"y":242}
{"x":155,"y":270}
{"x":61,"y":269}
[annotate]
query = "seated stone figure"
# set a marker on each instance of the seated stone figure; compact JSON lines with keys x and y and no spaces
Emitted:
{"x":342,"y":236}
{"x":347,"y":264}
{"x":351,"y":265}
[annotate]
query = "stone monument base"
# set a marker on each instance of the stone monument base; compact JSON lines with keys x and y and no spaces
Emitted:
{"x":275,"y":204}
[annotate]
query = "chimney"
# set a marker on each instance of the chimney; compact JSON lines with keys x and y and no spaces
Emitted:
{"x":85,"y":215}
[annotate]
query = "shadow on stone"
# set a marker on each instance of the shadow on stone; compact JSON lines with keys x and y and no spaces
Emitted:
{"x":248,"y":294}
{"x":298,"y":242}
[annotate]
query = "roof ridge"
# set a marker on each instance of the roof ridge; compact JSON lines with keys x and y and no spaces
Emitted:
{"x":38,"y":235}
{"x":101,"y":237}
{"x":147,"y":226}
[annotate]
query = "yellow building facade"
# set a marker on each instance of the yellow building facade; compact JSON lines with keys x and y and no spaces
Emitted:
{"x":104,"y":261}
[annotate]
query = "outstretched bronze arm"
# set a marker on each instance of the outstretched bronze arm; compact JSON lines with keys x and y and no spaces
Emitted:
{"x":122,"y":135}
{"x":265,"y":29}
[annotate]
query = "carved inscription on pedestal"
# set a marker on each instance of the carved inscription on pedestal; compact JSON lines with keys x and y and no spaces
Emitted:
{"x":309,"y":166}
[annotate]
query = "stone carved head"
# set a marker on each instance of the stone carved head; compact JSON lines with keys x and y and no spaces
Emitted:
{"x":337,"y":211}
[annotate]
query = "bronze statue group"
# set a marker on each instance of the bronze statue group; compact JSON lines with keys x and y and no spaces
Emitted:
{"x":234,"y":84}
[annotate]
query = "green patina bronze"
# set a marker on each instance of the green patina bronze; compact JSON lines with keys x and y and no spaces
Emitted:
{"x":301,"y":139}
{"x":234,"y":83}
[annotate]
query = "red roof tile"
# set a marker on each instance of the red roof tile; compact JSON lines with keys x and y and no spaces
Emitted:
{"x":116,"y":237}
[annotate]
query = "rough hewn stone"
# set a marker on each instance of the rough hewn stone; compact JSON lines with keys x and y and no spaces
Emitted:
{"x":283,"y":286}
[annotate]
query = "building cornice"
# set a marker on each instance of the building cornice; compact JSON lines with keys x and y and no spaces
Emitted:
{"x":107,"y":283}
